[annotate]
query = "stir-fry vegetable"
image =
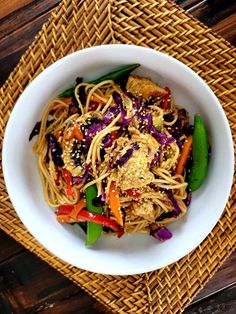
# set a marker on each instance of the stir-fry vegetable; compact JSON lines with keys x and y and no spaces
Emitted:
{"x":133,"y":193}
{"x":79,"y":135}
{"x":115,"y":203}
{"x":85,"y":215}
{"x":68,"y":178}
{"x":69,"y":213}
{"x":160,"y":233}
{"x":56,"y":150}
{"x":99,"y":101}
{"x":184,"y":154}
{"x":166,"y":99}
{"x":94,"y":230}
{"x":116,"y":76}
{"x":200,"y":155}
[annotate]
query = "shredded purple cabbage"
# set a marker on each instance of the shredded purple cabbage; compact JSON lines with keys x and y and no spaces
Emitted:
{"x":91,"y":131}
{"x":56,"y":150}
{"x":173,"y":201}
{"x":167,"y":140}
{"x":161,"y":233}
{"x":188,"y":200}
{"x":82,"y":95}
{"x":138,"y":103}
{"x":128,"y":94}
{"x":79,"y":179}
{"x":117,"y":99}
{"x":36,"y":128}
{"x":156,"y":159}
{"x":107,"y":141}
{"x":162,"y":138}
{"x":169,"y":117}
{"x":180,"y":143}
{"x":110,"y":114}
{"x":97,"y":202}
{"x":148,"y":117}
{"x":103,"y":196}
{"x":125,"y":121}
{"x":171,"y":214}
{"x":123,"y":159}
{"x":79,"y":80}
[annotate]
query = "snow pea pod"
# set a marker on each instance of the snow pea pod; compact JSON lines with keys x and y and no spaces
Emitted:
{"x":198,"y":171}
{"x":116,"y":76}
{"x":94,"y":230}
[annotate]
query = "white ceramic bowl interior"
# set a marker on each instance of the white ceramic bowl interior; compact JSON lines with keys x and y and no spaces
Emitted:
{"x":130,"y":254}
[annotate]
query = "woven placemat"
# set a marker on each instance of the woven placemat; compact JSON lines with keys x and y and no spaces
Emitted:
{"x":163,"y":26}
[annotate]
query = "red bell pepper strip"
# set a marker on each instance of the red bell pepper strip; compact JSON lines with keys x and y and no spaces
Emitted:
{"x":68,"y":213}
{"x":68,"y":178}
{"x":114,"y":135}
{"x":166,"y":99}
{"x":85,"y":215}
{"x":65,"y":209}
{"x":133,"y":193}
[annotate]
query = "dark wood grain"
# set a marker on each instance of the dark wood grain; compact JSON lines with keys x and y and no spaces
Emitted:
{"x":18,"y":29}
{"x":221,"y":302}
{"x":27,"y":284}
{"x":8,"y":247}
{"x":7,"y":7}
{"x":25,"y":14}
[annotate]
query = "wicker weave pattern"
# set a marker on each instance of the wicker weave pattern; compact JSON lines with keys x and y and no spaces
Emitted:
{"x":163,"y":26}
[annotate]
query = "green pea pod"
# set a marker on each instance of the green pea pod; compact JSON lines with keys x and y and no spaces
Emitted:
{"x":198,"y":171}
{"x":67,"y":93}
{"x":117,"y":75}
{"x":93,"y":230}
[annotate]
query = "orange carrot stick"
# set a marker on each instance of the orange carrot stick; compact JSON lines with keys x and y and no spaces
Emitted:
{"x":79,"y":135}
{"x":115,"y":203}
{"x":67,"y":100}
{"x":77,"y":208}
{"x":72,"y":216}
{"x":65,"y":219}
{"x":103,"y":101}
{"x":184,"y":154}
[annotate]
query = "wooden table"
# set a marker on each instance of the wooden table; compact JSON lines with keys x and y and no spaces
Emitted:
{"x":29,"y":285}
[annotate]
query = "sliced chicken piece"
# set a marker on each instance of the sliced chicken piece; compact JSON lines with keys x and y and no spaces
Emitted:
{"x":145,"y":209}
{"x":135,"y":172}
{"x":144,"y":86}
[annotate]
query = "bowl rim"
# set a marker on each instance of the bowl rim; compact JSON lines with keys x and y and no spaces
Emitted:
{"x":56,"y":64}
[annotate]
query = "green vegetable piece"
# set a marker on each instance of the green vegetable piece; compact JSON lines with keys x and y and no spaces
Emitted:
{"x":67,"y":93}
{"x":158,"y":123}
{"x":117,"y":75}
{"x":93,"y":230}
{"x":198,"y":171}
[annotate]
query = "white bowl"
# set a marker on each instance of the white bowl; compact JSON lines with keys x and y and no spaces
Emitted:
{"x":130,"y":254}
